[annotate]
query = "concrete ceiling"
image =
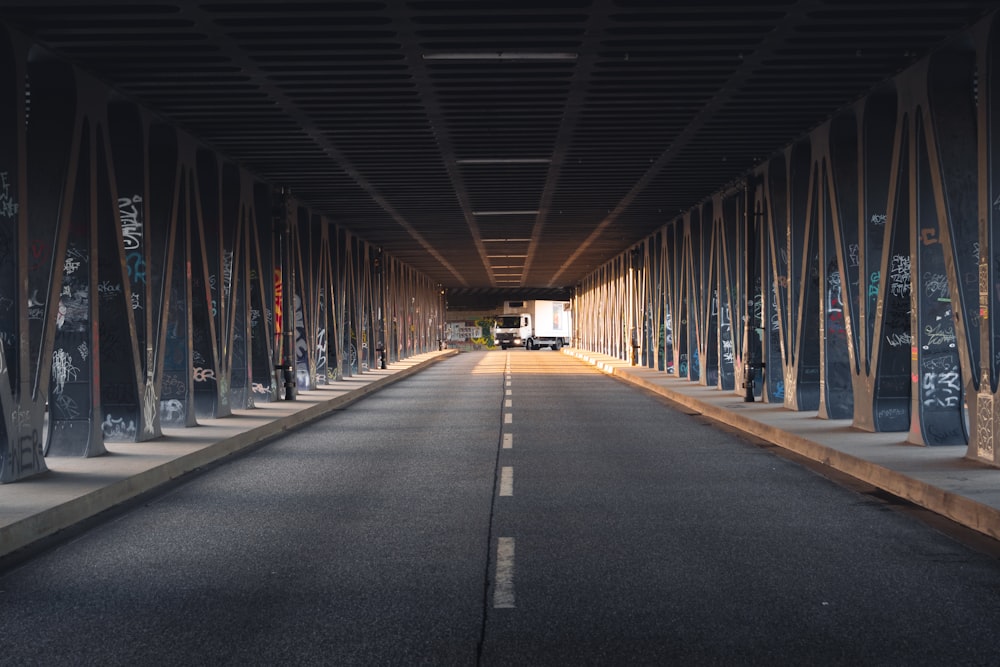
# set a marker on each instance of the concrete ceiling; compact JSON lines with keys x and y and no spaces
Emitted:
{"x":502,"y":144}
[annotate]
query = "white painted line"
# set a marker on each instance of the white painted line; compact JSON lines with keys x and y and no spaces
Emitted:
{"x":503,"y":589}
{"x":509,"y":403}
{"x":508,"y":440}
{"x":508,"y":418}
{"x":506,"y":481}
{"x":509,"y":392}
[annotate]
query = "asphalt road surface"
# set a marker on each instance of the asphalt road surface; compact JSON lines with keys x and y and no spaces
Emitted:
{"x":507,"y":508}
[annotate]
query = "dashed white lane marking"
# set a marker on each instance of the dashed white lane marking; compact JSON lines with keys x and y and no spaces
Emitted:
{"x":508,"y":440}
{"x":508,"y":393}
{"x":509,"y":403}
{"x":508,"y":418}
{"x":503,"y":589}
{"x":507,"y":481}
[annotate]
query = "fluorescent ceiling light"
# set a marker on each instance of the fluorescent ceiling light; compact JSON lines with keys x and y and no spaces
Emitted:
{"x":505,"y":213}
{"x":507,"y":256}
{"x":505,"y":160}
{"x":508,"y":241}
{"x":501,"y":55}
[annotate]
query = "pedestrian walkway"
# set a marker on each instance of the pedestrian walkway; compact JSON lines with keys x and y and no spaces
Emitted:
{"x":77,"y":489}
{"x":938,"y":478}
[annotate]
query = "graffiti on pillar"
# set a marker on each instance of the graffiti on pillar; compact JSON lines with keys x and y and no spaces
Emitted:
{"x":8,"y":204}
{"x":63,"y":370}
{"x":172,"y":411}
{"x":301,"y":356}
{"x":899,"y":276}
{"x":108,"y":290}
{"x":939,"y":368}
{"x":713,"y":340}
{"x":201,"y":374}
{"x":803,"y":334}
{"x":130,"y":212}
{"x":25,"y":455}
{"x":874,"y":280}
{"x":770,"y":328}
{"x":834,"y":304}
{"x":149,"y":403}
{"x":889,"y":296}
{"x":227,"y":274}
{"x":70,"y":392}
{"x":321,"y":355}
{"x":278,"y":310}
{"x":941,"y":383}
{"x":668,"y":342}
{"x":174,"y":389}
{"x":728,"y":353}
{"x":262,"y":384}
{"x":839,"y":395}
{"x":73,"y":311}
{"x":118,"y":428}
{"x":135,"y":265}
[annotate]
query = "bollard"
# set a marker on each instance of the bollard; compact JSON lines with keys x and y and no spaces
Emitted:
{"x":286,"y":377}
{"x":748,"y":382}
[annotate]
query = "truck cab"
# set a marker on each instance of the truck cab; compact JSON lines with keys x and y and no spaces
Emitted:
{"x":512,"y":330}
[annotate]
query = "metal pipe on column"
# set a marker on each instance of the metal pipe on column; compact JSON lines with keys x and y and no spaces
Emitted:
{"x":282,"y":209}
{"x":751,"y":273}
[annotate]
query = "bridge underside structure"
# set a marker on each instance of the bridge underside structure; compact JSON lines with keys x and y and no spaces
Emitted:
{"x":855,"y":273}
{"x":147,"y":280}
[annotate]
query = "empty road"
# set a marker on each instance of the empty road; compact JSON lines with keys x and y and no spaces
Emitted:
{"x":506,"y":508}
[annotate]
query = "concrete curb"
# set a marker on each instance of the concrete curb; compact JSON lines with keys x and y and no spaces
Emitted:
{"x":47,"y":522}
{"x":960,"y":509}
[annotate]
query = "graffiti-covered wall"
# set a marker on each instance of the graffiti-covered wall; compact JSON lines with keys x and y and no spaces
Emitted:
{"x":146,"y":282}
{"x":853,"y":274}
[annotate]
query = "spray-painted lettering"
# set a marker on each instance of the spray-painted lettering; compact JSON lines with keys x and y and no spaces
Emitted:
{"x":8,"y":205}
{"x":130,"y":210}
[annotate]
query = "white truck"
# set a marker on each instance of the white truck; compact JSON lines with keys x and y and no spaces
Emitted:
{"x":534,"y":324}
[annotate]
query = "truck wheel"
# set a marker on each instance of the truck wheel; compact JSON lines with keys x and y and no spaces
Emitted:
{"x":555,"y":346}
{"x":503,"y":347}
{"x":529,"y":344}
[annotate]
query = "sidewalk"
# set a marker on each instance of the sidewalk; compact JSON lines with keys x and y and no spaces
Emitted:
{"x":77,"y":489}
{"x":937,"y":478}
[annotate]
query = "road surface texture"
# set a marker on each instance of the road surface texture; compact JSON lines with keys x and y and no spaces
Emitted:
{"x":506,"y":508}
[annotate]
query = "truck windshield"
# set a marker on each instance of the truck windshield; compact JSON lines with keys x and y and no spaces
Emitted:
{"x":509,"y":322}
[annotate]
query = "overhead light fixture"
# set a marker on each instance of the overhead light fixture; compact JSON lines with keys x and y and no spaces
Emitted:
{"x":508,"y":241}
{"x":506,"y":256}
{"x":502,"y":55}
{"x":505,"y":212}
{"x":505,"y":160}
